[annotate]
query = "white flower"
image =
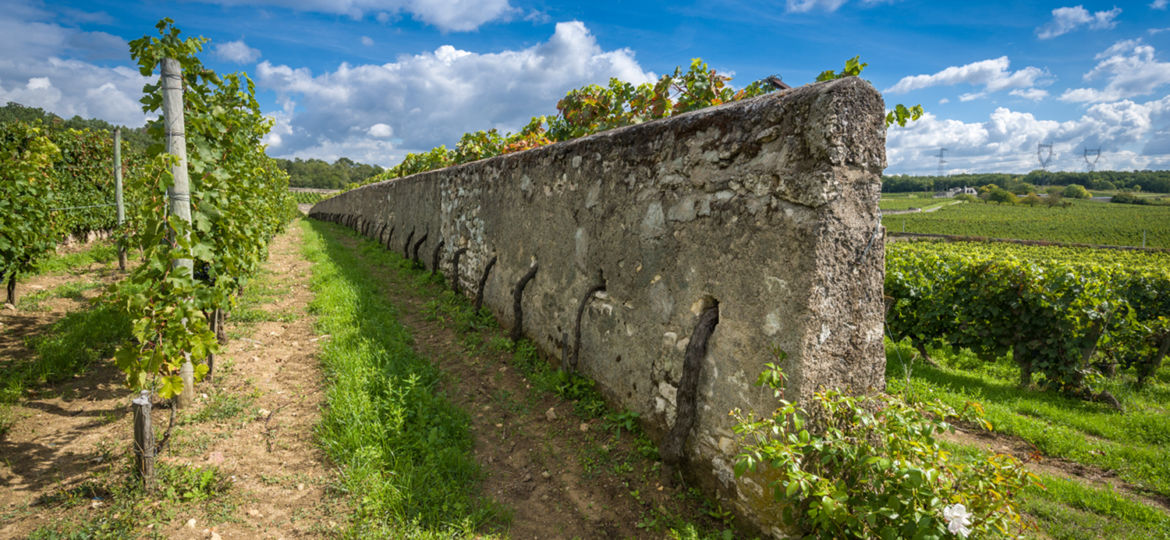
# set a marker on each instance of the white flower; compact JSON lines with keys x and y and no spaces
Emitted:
{"x":958,"y":520}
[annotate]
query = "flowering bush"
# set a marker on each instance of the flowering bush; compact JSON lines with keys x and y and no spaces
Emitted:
{"x":873,"y":467}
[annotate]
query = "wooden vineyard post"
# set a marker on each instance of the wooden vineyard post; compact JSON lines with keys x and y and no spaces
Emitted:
{"x":118,"y":194}
{"x":179,"y":194}
{"x":143,"y":440}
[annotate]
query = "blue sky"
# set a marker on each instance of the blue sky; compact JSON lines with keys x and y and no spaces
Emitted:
{"x":374,"y":79}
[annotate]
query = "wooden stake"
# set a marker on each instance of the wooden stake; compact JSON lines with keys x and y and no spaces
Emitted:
{"x":143,"y":440}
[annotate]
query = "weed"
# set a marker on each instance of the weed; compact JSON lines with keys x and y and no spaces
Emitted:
{"x":185,"y":483}
{"x":617,"y":421}
{"x":222,"y":406}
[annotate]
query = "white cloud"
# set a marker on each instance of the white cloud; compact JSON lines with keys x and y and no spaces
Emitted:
{"x":459,"y":15}
{"x":237,"y":52}
{"x":1067,"y":19}
{"x":432,"y":98}
{"x":805,"y":6}
{"x":1034,"y":94}
{"x":992,"y":74}
{"x":48,"y":65}
{"x":1131,"y":135}
{"x":446,"y":15}
{"x":943,"y":101}
{"x":1158,"y":4}
{"x":1130,"y":69}
{"x":380,"y":131}
{"x":367,"y":41}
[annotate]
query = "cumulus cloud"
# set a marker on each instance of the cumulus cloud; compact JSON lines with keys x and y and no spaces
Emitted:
{"x":73,"y":87}
{"x":1130,"y":69}
{"x":1067,"y":19}
{"x":446,"y":15}
{"x":48,"y":65}
{"x":1158,"y":4}
{"x":992,"y":74}
{"x":367,"y":41}
{"x":380,"y":130}
{"x":237,"y":52}
{"x":1131,"y":135}
{"x":429,"y":99}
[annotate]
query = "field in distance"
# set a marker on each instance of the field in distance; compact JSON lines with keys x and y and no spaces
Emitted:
{"x":1083,"y":221}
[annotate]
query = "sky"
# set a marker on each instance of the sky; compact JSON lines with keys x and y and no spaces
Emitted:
{"x":374,"y":79}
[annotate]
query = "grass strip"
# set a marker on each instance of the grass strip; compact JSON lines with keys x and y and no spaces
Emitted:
{"x":100,"y":252}
{"x":1130,"y":443}
{"x":403,"y":449}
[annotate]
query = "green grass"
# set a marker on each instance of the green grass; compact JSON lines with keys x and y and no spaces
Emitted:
{"x":100,"y":252}
{"x":1133,"y":444}
{"x":403,"y":450}
{"x":1086,"y":222}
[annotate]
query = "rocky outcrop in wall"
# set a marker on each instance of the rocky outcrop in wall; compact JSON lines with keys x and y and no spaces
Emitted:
{"x":760,"y":214}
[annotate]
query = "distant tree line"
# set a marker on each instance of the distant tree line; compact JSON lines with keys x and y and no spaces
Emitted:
{"x":1150,"y":181}
{"x":135,"y":138}
{"x":316,"y":173}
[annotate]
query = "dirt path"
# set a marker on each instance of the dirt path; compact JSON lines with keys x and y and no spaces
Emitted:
{"x":269,"y":451}
{"x":253,"y":425}
{"x":562,"y":476}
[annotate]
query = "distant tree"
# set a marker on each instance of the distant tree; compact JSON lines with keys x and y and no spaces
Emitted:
{"x":1022,"y":188}
{"x":1000,"y":195}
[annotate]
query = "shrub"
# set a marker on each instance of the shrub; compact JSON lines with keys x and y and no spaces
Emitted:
{"x":1126,"y":197}
{"x":873,"y":467}
{"x":1076,"y":191}
{"x":1000,"y":195}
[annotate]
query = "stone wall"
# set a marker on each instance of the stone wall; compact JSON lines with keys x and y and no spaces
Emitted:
{"x":764,"y":209}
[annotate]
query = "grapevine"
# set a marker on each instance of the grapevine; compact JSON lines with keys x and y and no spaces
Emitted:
{"x":1070,"y":314}
{"x":26,"y":196}
{"x":239,"y":201}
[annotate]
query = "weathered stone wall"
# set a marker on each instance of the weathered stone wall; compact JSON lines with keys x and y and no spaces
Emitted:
{"x":767,"y":208}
